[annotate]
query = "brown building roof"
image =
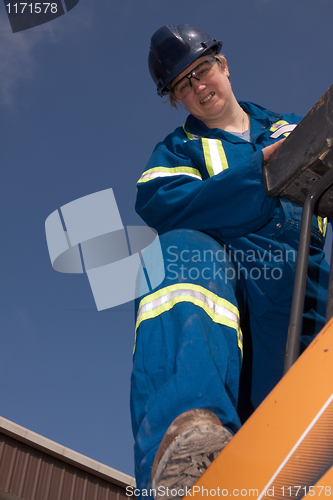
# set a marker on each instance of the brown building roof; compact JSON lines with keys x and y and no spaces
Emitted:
{"x":35,"y":468}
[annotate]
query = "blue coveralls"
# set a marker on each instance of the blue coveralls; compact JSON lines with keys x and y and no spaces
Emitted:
{"x":213,"y":334}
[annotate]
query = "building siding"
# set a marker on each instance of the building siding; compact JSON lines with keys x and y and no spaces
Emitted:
{"x":31,"y":474}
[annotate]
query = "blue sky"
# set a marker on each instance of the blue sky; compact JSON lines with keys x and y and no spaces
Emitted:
{"x":80,"y":114}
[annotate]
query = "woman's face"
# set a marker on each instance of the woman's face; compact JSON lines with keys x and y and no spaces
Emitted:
{"x":210,"y":98}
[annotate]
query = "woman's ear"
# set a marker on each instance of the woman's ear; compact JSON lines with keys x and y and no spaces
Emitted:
{"x":226,"y":69}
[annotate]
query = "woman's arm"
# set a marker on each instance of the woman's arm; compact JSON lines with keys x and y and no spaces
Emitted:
{"x":233,"y":201}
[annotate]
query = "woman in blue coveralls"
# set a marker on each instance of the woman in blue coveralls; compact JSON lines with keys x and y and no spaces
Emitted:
{"x":210,"y":340}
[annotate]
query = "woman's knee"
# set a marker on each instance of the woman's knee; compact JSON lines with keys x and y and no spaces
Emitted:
{"x":195,"y":257}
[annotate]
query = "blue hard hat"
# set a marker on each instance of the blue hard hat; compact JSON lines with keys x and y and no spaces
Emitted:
{"x":173,"y":48}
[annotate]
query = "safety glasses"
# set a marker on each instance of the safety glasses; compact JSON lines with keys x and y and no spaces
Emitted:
{"x":183,"y":87}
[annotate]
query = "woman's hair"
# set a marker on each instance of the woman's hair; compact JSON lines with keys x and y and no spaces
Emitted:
{"x":220,"y":60}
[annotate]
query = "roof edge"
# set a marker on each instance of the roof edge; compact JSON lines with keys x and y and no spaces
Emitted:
{"x":65,"y":454}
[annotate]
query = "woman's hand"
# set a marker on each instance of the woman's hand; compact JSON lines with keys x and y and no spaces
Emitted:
{"x":269,"y":150}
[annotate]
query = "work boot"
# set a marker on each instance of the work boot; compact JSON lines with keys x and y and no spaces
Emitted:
{"x":191,"y":443}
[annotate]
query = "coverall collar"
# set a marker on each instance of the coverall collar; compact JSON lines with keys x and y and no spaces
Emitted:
{"x":260,"y":118}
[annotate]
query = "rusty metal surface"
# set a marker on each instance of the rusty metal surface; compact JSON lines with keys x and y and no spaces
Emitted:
{"x":30,"y":474}
{"x":304,"y":157}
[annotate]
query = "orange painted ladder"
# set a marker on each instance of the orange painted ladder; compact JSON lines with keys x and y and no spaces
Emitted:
{"x":285,"y":449}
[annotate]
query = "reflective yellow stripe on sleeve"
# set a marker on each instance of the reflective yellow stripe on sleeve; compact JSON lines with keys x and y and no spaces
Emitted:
{"x":219,"y":310}
{"x":322,"y":225}
{"x":154,"y":173}
{"x":215,"y":157}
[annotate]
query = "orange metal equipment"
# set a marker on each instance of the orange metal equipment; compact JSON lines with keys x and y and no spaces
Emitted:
{"x":285,"y":449}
